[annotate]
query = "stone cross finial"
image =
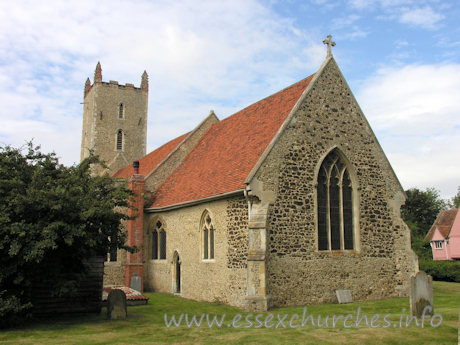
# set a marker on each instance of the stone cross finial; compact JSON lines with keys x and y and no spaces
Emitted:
{"x":329,"y":44}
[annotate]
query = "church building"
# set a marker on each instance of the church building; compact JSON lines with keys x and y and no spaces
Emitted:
{"x":281,"y":203}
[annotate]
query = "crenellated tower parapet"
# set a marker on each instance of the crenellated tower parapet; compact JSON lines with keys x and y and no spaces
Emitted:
{"x":114,"y":120}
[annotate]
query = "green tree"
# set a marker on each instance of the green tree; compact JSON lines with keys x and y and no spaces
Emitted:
{"x":455,"y":202}
{"x":421,"y":209}
{"x":420,"y":212}
{"x":52,"y":217}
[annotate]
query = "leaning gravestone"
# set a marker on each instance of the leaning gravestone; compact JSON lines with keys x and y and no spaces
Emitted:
{"x":116,"y":305}
{"x":343,"y":296}
{"x":421,"y":294}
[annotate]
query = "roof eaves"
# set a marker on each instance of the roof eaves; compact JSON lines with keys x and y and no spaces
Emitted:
{"x":194,"y":202}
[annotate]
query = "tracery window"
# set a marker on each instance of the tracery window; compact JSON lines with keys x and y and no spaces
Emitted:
{"x":335,"y":205}
{"x":158,"y":242}
{"x":438,"y":244}
{"x":119,"y":140}
{"x":207,"y":236}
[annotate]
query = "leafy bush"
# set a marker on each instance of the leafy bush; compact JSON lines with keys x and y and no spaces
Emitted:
{"x":441,"y":270}
{"x":422,"y":248}
{"x":52,"y":218}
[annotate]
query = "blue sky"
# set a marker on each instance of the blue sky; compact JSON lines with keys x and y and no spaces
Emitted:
{"x":401,"y":59}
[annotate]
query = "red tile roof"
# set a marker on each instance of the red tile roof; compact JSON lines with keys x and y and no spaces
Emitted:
{"x":150,"y":161}
{"x":443,"y":222}
{"x":227,"y":152}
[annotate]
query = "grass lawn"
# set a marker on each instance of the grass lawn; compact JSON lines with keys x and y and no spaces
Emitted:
{"x":146,"y":324}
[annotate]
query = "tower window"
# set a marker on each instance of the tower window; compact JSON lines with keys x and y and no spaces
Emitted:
{"x":335,"y":205}
{"x":120,"y":140}
{"x":121,"y":110}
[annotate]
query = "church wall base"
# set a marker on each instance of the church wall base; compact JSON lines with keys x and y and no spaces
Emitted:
{"x":256,"y":304}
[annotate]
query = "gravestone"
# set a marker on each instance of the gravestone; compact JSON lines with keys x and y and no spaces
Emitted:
{"x":116,"y":305}
{"x":421,"y":294}
{"x":343,"y":296}
{"x":136,"y":283}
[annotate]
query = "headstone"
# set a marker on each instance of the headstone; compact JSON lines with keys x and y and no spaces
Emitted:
{"x":421,"y":294}
{"x":343,"y":296}
{"x":136,"y":283}
{"x":116,"y":305}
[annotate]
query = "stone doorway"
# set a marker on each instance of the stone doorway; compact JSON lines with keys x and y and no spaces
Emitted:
{"x":176,"y":273}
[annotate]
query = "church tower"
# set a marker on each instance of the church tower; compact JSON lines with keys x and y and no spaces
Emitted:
{"x":114,"y":121}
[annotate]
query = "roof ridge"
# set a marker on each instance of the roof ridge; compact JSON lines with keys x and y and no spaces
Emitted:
{"x":267,"y":97}
{"x":444,"y":215}
{"x":226,"y":153}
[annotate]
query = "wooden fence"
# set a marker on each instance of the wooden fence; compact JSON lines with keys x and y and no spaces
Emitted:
{"x":87,"y":300}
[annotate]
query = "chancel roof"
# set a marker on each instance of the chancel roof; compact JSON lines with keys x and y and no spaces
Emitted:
{"x":224,"y":156}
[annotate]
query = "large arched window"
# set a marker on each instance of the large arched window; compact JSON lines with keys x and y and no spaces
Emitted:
{"x":335,"y":205}
{"x":207,"y":236}
{"x":158,"y":241}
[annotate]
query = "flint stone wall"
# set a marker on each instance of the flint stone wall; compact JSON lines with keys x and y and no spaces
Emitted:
{"x":382,"y":262}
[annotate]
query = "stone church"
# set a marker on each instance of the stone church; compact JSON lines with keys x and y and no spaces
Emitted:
{"x":281,"y":203}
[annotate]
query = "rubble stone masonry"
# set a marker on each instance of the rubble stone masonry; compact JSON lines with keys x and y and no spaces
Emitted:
{"x":382,"y":262}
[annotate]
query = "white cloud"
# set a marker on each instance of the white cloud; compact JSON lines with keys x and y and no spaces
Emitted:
{"x":199,"y":55}
{"x":203,"y":55}
{"x":370,"y":4}
{"x":424,"y":17}
{"x":404,"y":11}
{"x":362,"y":4}
{"x":344,"y":22}
{"x":414,"y":110}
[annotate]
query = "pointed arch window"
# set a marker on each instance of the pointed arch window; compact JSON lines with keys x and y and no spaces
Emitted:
{"x":207,"y":236}
{"x":119,"y":140}
{"x":335,"y":205}
{"x":158,"y":242}
{"x":121,"y":111}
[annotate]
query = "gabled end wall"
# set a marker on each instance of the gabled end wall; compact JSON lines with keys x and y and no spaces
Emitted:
{"x":328,"y":116}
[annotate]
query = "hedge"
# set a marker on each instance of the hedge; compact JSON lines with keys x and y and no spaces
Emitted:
{"x":448,"y":271}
